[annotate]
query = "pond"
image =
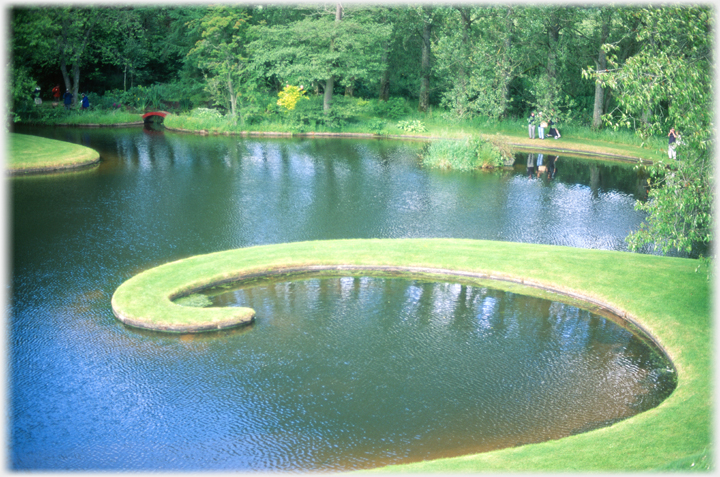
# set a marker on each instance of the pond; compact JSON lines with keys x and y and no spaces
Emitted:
{"x":337,"y":373}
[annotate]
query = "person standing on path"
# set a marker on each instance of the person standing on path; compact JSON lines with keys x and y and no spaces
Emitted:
{"x":67,"y":99}
{"x":541,"y":128}
{"x":531,"y":125}
{"x":672,"y":137}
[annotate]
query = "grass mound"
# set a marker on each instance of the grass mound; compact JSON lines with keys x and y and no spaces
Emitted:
{"x":30,"y":154}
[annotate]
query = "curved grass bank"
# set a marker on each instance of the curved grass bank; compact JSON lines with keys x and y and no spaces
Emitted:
{"x":664,"y":296}
{"x":32,"y":154}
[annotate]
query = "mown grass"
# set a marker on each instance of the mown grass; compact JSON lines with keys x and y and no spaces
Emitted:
{"x":665,"y":296}
{"x":50,"y":115}
{"x":100,"y":117}
{"x":28,"y":154}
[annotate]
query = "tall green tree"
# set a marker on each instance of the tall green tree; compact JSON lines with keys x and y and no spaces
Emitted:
{"x":479,"y":52}
{"x":671,"y":76}
{"x":123,"y":43}
{"x":402,"y":53}
{"x":220,"y":53}
{"x":319,"y":47}
{"x":57,"y":36}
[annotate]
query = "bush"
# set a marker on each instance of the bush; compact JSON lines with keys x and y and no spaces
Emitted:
{"x":393,"y":108}
{"x":376,"y":126}
{"x":206,"y":113}
{"x":289,"y":96}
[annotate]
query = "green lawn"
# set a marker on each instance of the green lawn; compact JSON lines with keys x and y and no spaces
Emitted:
{"x":579,"y":146}
{"x":665,"y":296}
{"x":28,"y":154}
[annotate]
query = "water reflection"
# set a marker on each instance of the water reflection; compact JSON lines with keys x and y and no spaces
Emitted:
{"x":431,"y":370}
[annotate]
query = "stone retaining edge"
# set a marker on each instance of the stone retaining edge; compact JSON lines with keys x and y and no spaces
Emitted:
{"x":247,"y":317}
{"x":442,"y":272}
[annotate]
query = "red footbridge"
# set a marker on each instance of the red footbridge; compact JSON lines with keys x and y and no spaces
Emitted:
{"x":159,"y":114}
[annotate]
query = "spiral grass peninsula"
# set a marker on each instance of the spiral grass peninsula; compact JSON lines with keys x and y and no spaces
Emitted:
{"x":666,"y":297}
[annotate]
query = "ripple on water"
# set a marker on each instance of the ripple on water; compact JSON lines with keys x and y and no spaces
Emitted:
{"x":387,"y":370}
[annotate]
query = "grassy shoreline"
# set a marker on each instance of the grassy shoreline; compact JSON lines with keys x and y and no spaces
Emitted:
{"x":644,"y":288}
{"x":576,"y":140}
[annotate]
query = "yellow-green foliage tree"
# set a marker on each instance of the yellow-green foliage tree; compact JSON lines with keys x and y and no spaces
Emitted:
{"x":290,"y":95}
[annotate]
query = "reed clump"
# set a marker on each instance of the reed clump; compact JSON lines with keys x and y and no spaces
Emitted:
{"x":465,"y":154}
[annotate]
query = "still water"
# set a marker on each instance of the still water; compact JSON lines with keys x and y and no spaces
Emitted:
{"x":337,"y":373}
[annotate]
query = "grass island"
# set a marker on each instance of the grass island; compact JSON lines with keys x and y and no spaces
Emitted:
{"x":668,"y":298}
{"x":33,"y":154}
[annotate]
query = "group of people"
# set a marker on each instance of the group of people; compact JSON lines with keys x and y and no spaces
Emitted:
{"x":542,"y":123}
{"x":68,"y":97}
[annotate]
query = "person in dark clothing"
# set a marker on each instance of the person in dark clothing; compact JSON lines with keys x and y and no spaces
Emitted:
{"x":85,"y":102}
{"x":67,"y":99}
{"x":553,"y":131}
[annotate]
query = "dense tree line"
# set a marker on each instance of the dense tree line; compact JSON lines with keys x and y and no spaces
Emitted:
{"x":493,"y":61}
{"x":645,"y":69}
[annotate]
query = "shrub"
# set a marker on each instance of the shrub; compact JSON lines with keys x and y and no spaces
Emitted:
{"x":289,"y":96}
{"x":206,"y":113}
{"x":393,"y":108}
{"x":414,"y":126}
{"x":376,"y":126}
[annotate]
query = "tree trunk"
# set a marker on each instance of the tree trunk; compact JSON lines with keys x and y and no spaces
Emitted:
{"x":76,"y":86}
{"x":327,"y":97}
{"x":425,"y":68}
{"x":385,"y":86}
{"x":599,"y":101}
{"x":66,"y":77}
{"x":350,"y":88}
{"x":384,"y":90}
{"x":233,"y":98}
{"x":462,"y":101}
{"x":71,"y":82}
{"x":553,"y":31}
{"x":506,"y":72}
{"x":601,"y":65}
